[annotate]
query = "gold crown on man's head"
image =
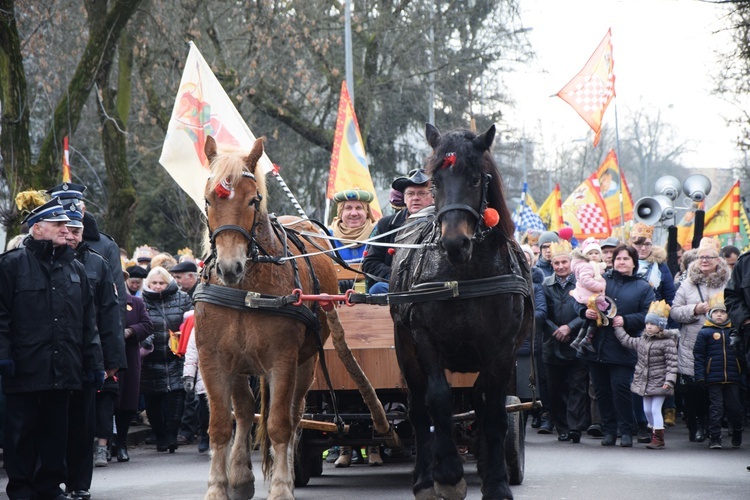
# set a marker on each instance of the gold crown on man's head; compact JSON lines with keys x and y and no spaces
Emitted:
{"x":185,"y":251}
{"x":660,"y":308}
{"x":563,"y":247}
{"x":641,"y":230}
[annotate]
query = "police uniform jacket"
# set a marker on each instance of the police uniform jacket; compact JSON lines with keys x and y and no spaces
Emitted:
{"x":105,"y":245}
{"x":47,"y":319}
{"x":107,"y":307}
{"x":161,"y":371}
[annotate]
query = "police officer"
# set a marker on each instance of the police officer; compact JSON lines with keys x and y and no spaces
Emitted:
{"x":48,"y":346}
{"x":82,"y":415}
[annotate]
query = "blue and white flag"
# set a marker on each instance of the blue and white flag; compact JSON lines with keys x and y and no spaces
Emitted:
{"x":525,"y":219}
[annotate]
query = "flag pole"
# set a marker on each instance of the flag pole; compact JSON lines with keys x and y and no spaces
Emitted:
{"x":619,"y":173}
{"x":288,"y":192}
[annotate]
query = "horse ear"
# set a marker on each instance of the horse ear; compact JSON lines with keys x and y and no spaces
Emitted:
{"x":484,"y":141}
{"x":432,"y":134}
{"x":252,"y":159}
{"x":209,"y":148}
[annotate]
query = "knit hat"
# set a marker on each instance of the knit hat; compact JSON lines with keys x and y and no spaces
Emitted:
{"x":590,"y":244}
{"x":548,"y":237}
{"x":658,"y":313}
{"x":560,"y":248}
{"x":716,"y":303}
{"x":396,"y":199}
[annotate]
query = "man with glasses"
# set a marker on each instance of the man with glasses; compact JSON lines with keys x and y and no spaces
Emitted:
{"x":417,"y":196}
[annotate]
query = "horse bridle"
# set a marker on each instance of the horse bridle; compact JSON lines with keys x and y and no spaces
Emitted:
{"x":253,"y":248}
{"x":479,"y":233}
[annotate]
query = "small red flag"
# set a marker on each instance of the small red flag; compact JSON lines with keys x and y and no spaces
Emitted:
{"x":591,"y":90}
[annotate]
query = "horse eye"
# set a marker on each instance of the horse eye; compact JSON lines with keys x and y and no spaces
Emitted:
{"x":476,"y":181}
{"x":208,"y":203}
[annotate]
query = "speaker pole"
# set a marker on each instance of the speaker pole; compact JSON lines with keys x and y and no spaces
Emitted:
{"x":674,"y":266}
{"x":700,"y":217}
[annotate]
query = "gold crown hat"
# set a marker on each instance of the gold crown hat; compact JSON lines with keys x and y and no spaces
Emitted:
{"x":658,"y":312}
{"x":563,"y":247}
{"x":641,"y":230}
{"x":711,"y":244}
{"x":716,"y":302}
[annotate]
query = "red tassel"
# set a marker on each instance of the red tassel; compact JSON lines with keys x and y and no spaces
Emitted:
{"x":391,"y":251}
{"x":491,"y":217}
{"x":449,"y":161}
{"x":223,"y":189}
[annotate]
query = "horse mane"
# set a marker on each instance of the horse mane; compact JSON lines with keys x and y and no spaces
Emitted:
{"x":229,"y":165}
{"x":461,"y":143}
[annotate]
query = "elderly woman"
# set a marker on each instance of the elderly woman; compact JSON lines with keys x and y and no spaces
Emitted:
{"x":706,"y":277}
{"x":612,"y":366}
{"x":161,"y":370}
{"x":354,"y":221}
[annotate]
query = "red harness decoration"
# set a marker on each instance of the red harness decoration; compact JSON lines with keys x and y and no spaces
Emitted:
{"x":223,"y":189}
{"x":449,"y":161}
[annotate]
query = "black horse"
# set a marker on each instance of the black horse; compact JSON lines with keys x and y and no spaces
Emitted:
{"x":468,"y":240}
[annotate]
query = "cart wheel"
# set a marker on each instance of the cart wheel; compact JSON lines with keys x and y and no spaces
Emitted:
{"x":301,"y":470}
{"x":514,"y":444}
{"x":315,"y":458}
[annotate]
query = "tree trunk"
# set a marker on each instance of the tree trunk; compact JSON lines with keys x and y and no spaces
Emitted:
{"x":15,"y":147}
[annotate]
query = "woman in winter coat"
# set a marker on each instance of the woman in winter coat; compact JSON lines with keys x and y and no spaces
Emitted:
{"x":161,"y":370}
{"x":193,"y":384}
{"x":656,"y":370}
{"x":137,"y":327}
{"x":611,"y":367}
{"x":706,"y":277}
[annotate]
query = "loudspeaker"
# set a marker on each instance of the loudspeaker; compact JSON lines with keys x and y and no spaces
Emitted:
{"x":697,"y":187}
{"x":669,"y":186}
{"x":652,"y":209}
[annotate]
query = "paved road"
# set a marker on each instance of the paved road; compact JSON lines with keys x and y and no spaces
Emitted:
{"x":553,"y":471}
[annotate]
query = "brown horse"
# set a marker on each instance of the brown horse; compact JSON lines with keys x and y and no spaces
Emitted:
{"x":235,"y":342}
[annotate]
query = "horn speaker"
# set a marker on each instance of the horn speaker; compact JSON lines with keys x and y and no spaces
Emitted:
{"x":653,"y":209}
{"x":697,"y":187}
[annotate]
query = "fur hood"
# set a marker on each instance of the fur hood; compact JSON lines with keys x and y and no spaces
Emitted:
{"x":658,"y":255}
{"x":665,"y":334}
{"x":717,"y":279}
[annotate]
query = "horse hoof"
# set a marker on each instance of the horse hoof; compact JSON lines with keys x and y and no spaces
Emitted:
{"x":216,"y":492}
{"x":242,"y":492}
{"x":456,"y":492}
{"x":429,"y":494}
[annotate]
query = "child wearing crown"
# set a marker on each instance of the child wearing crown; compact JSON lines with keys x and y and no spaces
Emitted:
{"x":587,"y":266}
{"x":656,"y":369}
{"x":719,"y":368}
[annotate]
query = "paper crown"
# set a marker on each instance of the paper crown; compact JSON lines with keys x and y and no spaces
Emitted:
{"x":532,"y":236}
{"x":355,"y":194}
{"x":710,"y":244}
{"x":716,"y":302}
{"x":641,"y":230}
{"x":143,"y":253}
{"x":185,"y":251}
{"x":563,"y":247}
{"x":659,"y":308}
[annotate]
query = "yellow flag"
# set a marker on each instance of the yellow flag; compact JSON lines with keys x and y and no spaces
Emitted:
{"x":551,"y":210}
{"x":531,"y":203}
{"x":607,"y":179}
{"x":724,"y":217}
{"x":349,"y":168}
{"x":584,"y":211}
{"x":685,"y":227}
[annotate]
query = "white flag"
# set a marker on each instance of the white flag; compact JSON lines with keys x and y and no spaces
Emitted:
{"x":202,"y":108}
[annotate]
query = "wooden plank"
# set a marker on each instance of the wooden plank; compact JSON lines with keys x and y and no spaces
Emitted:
{"x":345,"y":274}
{"x":369,"y":335}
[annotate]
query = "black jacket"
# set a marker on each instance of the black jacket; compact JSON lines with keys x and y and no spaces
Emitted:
{"x":108,"y":320}
{"x":47,"y":319}
{"x":161,"y":371}
{"x":561,"y":310}
{"x":633,"y":296}
{"x":737,"y":301}
{"x":378,"y":260}
{"x":105,"y":246}
{"x":716,"y":362}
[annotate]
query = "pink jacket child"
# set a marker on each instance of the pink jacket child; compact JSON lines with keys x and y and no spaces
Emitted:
{"x":587,"y":266}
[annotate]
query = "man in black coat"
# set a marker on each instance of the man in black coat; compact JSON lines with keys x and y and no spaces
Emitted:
{"x":417,"y":196}
{"x":82,"y":414}
{"x":48,"y":344}
{"x":567,"y":376}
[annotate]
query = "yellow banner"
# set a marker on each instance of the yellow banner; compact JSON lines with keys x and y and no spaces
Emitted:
{"x":607,"y":179}
{"x":551,"y":210}
{"x":585,"y":213}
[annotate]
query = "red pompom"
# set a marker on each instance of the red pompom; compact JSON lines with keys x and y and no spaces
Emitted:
{"x":223,"y":189}
{"x":449,"y":160}
{"x":566,"y":233}
{"x":391,"y":251}
{"x":364,"y":254}
{"x":491,"y":217}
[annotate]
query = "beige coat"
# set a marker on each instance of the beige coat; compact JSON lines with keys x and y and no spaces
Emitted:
{"x":657,"y":361}
{"x":695,"y":286}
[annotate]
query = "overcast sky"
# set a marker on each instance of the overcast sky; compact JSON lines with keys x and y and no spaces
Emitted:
{"x":664,"y":53}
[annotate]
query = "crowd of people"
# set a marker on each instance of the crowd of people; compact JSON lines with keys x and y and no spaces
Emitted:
{"x":90,"y":336}
{"x":628,"y":347}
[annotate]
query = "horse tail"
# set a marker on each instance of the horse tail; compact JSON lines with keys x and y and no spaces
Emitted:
{"x":261,"y":431}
